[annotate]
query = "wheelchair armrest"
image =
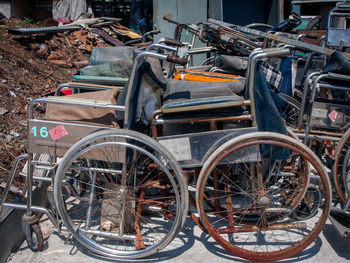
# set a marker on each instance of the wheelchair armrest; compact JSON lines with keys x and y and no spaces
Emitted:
{"x":74,"y":101}
{"x":101,"y":80}
{"x":85,"y":86}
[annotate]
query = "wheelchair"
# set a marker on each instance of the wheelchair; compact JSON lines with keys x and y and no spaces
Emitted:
{"x":123,"y":192}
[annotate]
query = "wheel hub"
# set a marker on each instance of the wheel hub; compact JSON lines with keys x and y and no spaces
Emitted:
{"x":264,"y":200}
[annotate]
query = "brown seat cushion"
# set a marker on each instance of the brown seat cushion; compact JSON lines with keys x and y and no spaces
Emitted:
{"x":85,"y":115}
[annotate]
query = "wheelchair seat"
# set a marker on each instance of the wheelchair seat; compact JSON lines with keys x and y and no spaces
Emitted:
{"x":194,"y":95}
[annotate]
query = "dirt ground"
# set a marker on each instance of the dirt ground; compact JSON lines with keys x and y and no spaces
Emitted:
{"x":30,"y":67}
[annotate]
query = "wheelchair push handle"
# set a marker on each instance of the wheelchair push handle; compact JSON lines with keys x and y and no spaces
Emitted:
{"x":172,"y":42}
{"x":306,"y":36}
{"x":167,"y":18}
{"x":311,"y":36}
{"x":176,"y":60}
{"x":278,"y":53}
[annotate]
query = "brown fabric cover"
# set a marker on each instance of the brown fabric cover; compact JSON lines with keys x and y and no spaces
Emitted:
{"x":85,"y":115}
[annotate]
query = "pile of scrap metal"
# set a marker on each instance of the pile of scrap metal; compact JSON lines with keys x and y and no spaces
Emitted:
{"x":109,"y":29}
{"x":69,"y":44}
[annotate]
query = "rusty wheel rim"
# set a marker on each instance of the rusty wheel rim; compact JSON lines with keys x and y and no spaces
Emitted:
{"x":268,"y":255}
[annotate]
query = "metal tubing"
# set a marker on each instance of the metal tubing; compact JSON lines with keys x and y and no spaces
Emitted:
{"x":317,"y":137}
{"x":81,"y":86}
{"x":35,"y":209}
{"x":306,"y":68}
{"x":37,"y":178}
{"x":95,"y":169}
{"x":201,"y":50}
{"x":110,"y":235}
{"x":251,"y":55}
{"x":310,"y":106}
{"x":317,"y":132}
{"x":303,"y":99}
{"x":253,"y":61}
{"x":12,"y":175}
{"x":29,"y":182}
{"x":88,"y":213}
{"x":131,"y":82}
{"x":161,"y":46}
{"x":45,"y":100}
{"x":296,"y":225}
{"x":187,"y":120}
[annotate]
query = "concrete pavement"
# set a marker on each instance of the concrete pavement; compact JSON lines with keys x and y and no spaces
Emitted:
{"x":191,"y":245}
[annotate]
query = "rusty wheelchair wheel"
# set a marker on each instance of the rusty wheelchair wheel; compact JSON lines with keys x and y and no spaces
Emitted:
{"x":341,"y":168}
{"x":250,"y":189}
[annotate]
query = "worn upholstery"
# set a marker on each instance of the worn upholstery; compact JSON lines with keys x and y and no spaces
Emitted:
{"x":180,"y":93}
{"x":86,"y":115}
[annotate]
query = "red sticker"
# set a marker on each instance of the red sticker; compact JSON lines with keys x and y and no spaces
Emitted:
{"x":334,"y":115}
{"x":58,"y":132}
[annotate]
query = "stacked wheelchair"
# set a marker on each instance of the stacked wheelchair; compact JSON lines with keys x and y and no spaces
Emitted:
{"x":123,"y":192}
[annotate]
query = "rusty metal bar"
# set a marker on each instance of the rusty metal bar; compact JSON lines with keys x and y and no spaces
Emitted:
{"x":203,"y":119}
{"x":316,"y":132}
{"x":229,"y":230}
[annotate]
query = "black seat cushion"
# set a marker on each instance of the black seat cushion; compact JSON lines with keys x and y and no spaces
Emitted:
{"x":180,"y":93}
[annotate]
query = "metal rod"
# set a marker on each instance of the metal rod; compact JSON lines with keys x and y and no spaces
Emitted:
{"x":304,"y":97}
{"x":35,"y":209}
{"x":66,"y":102}
{"x":92,"y":189}
{"x":37,"y":178}
{"x":322,"y":138}
{"x":187,"y":120}
{"x":161,"y":46}
{"x":29,"y":183}
{"x":95,"y":169}
{"x":296,"y":225}
{"x":310,"y":106}
{"x":12,"y":175}
{"x":84,"y":86}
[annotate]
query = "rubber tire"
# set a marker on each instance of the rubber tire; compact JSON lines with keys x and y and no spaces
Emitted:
{"x":37,"y":239}
{"x":262,"y":256}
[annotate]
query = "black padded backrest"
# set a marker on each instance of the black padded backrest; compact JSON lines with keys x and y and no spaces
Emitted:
{"x":146,"y":66}
{"x":337,"y":64}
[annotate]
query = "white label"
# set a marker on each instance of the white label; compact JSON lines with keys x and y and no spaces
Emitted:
{"x":180,"y":148}
{"x":319,"y":113}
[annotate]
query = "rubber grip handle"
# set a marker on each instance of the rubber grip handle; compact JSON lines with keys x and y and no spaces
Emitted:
{"x":154,"y":32}
{"x":311,"y":36}
{"x":170,"y":20}
{"x":278,"y":53}
{"x":176,"y":60}
{"x":172,"y":42}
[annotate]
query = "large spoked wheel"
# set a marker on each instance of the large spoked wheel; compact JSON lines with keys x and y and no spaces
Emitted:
{"x":121,"y":194}
{"x":250,"y":189}
{"x":341,"y":168}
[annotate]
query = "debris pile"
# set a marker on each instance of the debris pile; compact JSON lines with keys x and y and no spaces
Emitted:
{"x":33,"y":64}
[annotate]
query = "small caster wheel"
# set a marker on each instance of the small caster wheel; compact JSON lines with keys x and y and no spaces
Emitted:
{"x":33,"y":234}
{"x":36,"y":242}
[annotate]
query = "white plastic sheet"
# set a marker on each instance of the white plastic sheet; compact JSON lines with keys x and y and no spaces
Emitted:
{"x":68,"y":8}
